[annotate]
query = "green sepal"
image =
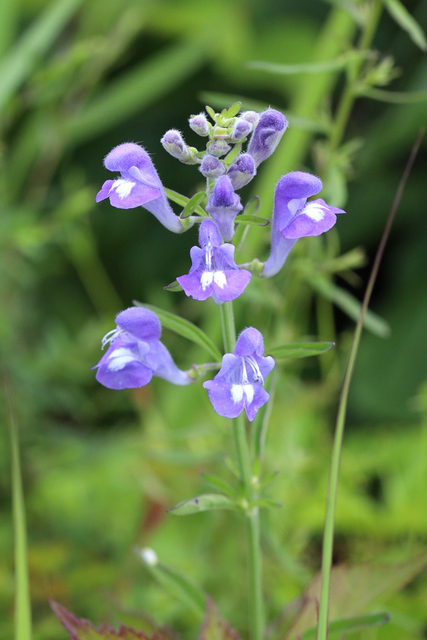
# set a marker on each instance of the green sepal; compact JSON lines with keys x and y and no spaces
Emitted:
{"x":233,"y":110}
{"x":401,"y":15}
{"x":173,"y":286}
{"x":340,"y":628}
{"x":183,"y":328}
{"x":300,"y":350}
{"x":192,"y":204}
{"x":182,"y":200}
{"x":219,"y":483}
{"x":204,"y":502}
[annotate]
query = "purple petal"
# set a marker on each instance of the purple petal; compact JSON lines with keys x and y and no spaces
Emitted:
{"x":229,"y":400}
{"x":250,"y":341}
{"x":242,"y":171}
{"x":127,"y":155}
{"x":209,"y":233}
{"x":223,"y":206}
{"x":105,"y":191}
{"x":140,"y":323}
{"x":126,"y":194}
{"x":211,"y":167}
{"x":167,"y":369}
{"x":121,"y":368}
{"x":193,"y":288}
{"x":236,"y":281}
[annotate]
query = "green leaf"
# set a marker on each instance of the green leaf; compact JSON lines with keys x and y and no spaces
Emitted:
{"x":404,"y":19}
{"x":184,"y":328}
{"x":219,"y":483}
{"x":300,"y":349}
{"x":214,"y":627}
{"x":18,"y":64}
{"x":182,"y":200}
{"x":230,"y":158}
{"x":204,"y":502}
{"x":174,"y":286}
{"x":266,"y":503}
{"x":393,"y":97}
{"x":233,"y":110}
{"x":295,"y":69}
{"x":211,"y":112}
{"x":251,"y":219}
{"x":178,"y":584}
{"x":351,"y":306}
{"x":193,"y":203}
{"x":80,"y":629}
{"x":341,"y":628}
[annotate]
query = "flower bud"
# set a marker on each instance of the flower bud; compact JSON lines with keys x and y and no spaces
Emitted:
{"x":200,"y":124}
{"x":211,"y":167}
{"x":218,"y":148}
{"x":267,"y":134}
{"x":250,"y":116}
{"x":241,"y":129}
{"x":223,"y":206}
{"x":242,"y":171}
{"x":174,"y":143}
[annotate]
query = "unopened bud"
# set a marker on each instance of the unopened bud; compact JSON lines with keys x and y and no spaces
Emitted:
{"x":267,"y":134}
{"x":218,"y":148}
{"x":241,"y":129}
{"x":250,"y":116}
{"x":242,"y":171}
{"x":200,"y":124}
{"x":174,"y":143}
{"x":212,"y":167}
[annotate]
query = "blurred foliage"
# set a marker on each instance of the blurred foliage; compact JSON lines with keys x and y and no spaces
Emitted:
{"x":80,"y":76}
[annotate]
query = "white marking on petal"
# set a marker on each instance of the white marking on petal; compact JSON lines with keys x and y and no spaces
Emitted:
{"x":206,"y":279}
{"x":248,"y":390}
{"x":237,"y":392}
{"x":119,"y":358}
{"x":220,"y":279}
{"x":122,"y":187}
{"x":240,"y":390}
{"x":314,"y":210}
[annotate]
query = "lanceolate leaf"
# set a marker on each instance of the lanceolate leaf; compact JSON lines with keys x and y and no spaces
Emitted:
{"x":250,"y":219}
{"x":204,"y":502}
{"x":80,"y":629}
{"x":340,"y":628}
{"x":184,"y":328}
{"x":300,"y":350}
{"x":404,"y":19}
{"x":193,"y":203}
{"x":178,"y":198}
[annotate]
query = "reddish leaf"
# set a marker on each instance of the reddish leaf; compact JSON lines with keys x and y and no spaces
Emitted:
{"x":80,"y":629}
{"x":214,"y":627}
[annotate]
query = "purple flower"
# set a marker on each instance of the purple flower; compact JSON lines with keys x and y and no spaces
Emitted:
{"x":136,"y":354}
{"x":224,"y":205}
{"x":267,"y":134}
{"x":200,"y":124}
{"x":242,"y":171}
{"x":241,"y":129}
{"x":294,"y":217}
{"x":239,"y":383}
{"x":174,"y":143}
{"x":213,"y":271}
{"x":138,"y":185}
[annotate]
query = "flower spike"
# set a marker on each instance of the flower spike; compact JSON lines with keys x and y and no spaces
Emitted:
{"x":239,"y":383}
{"x":138,"y":185}
{"x":213,"y":271}
{"x":136,"y":354}
{"x":294,"y":217}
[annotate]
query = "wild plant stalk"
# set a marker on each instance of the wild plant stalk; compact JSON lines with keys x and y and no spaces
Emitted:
{"x":22,"y":590}
{"x":328,"y":537}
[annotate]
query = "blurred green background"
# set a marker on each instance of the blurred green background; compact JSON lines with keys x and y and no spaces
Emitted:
{"x":100,"y":468}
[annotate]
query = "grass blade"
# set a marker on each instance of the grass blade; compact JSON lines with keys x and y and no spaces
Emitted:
{"x":23,"y":57}
{"x":22,"y":588}
{"x":328,"y":536}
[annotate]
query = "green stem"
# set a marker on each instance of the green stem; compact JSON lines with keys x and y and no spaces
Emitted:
{"x":328,"y":536}
{"x":22,"y":583}
{"x":244,"y":463}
